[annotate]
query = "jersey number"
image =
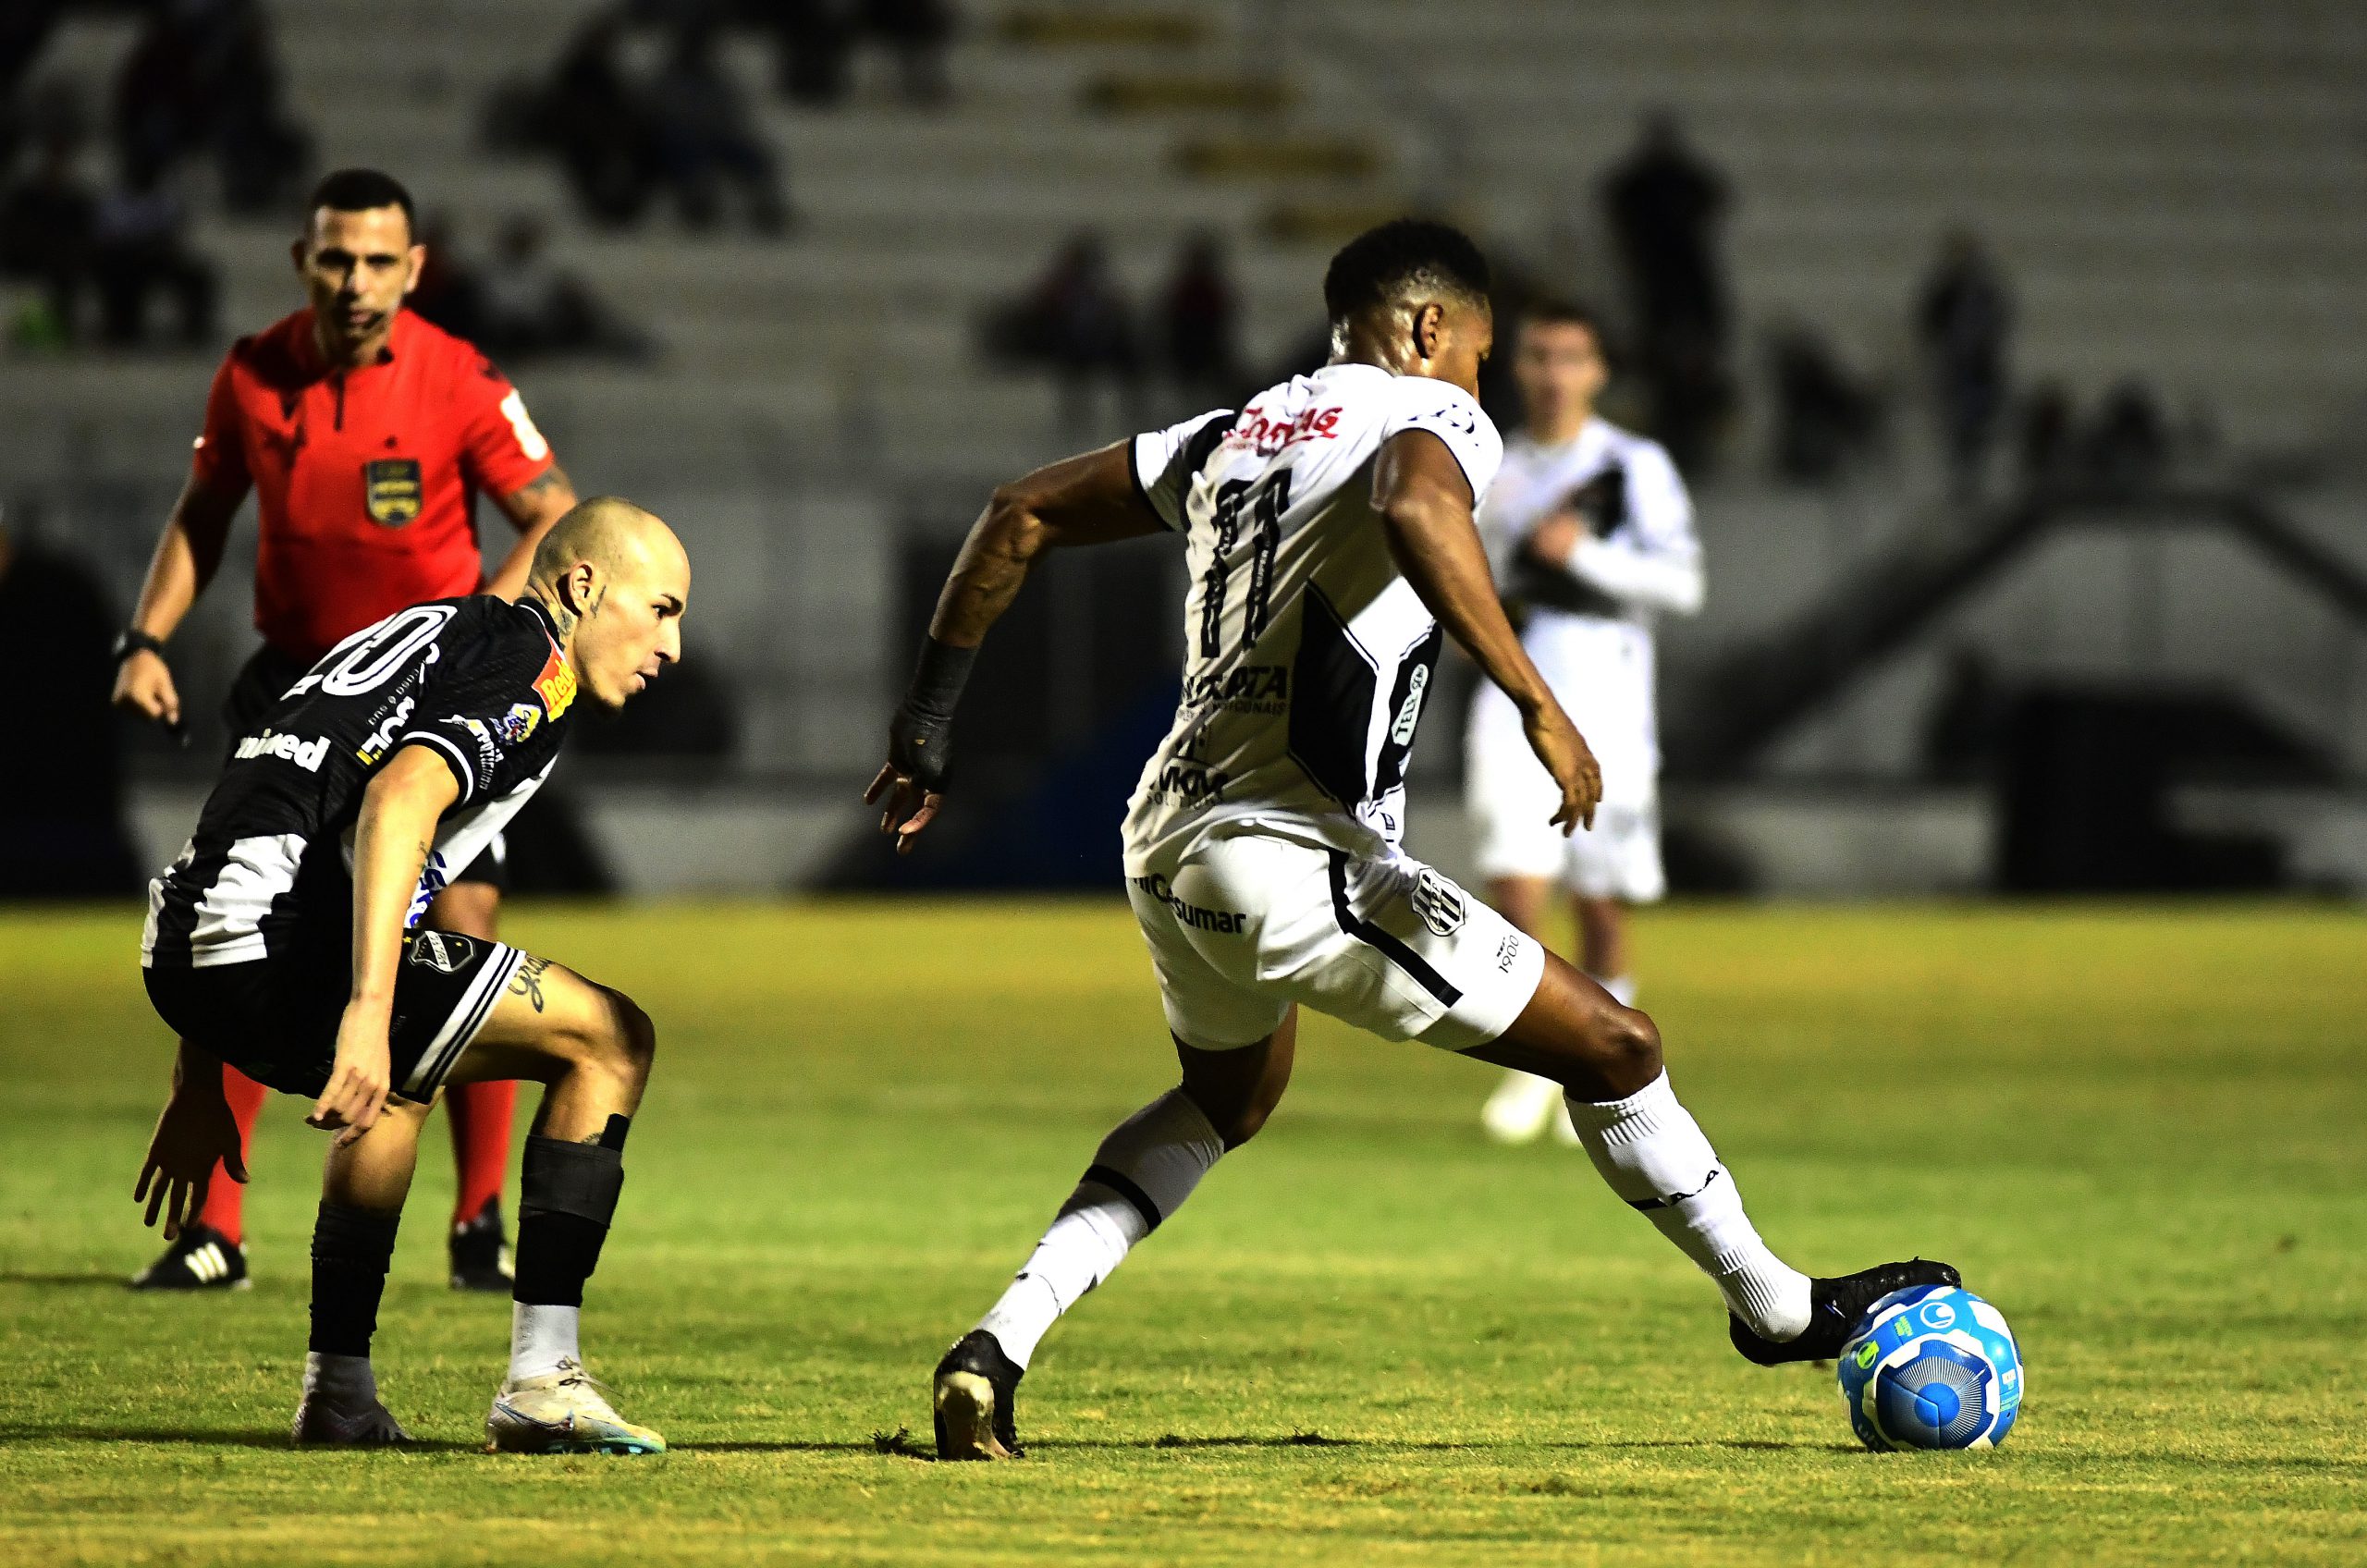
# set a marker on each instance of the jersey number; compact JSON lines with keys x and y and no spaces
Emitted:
{"x":371,"y":657}
{"x":1265,"y":502}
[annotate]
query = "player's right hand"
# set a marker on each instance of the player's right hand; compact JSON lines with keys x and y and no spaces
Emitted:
{"x":1567,"y":757}
{"x":360,"y":1077}
{"x":912,"y":786}
{"x":195,"y":1133}
{"x":143,"y":684}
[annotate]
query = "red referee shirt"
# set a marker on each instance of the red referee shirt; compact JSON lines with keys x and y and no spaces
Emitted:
{"x":366,"y":481}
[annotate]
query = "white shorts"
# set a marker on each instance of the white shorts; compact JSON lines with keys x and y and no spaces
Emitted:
{"x":1511,"y":800}
{"x":1243,"y":925}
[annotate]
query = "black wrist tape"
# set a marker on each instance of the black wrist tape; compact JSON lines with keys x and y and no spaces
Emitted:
{"x":936,"y":683}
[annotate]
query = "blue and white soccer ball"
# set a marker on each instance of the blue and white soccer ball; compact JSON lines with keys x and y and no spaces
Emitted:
{"x":1931,"y":1367}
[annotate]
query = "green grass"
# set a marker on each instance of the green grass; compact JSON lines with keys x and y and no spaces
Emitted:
{"x":1370,"y":1338}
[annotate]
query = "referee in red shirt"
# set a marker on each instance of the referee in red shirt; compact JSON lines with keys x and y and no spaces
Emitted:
{"x":365,"y":433}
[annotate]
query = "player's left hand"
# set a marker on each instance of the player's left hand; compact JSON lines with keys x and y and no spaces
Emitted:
{"x":1552,"y":542}
{"x":912,"y":786}
{"x":359,"y":1078}
{"x":195,"y":1133}
{"x":1570,"y":760}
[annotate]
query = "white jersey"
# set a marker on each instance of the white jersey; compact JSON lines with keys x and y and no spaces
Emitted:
{"x":1590,"y":625}
{"x":1306,"y":657}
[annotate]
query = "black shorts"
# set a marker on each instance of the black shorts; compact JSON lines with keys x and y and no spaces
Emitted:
{"x":275,"y":1019}
{"x":260,"y":681}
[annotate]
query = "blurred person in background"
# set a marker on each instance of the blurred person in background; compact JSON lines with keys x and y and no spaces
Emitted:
{"x":705,"y":139}
{"x":918,"y":33}
{"x":1826,"y":415}
{"x":1199,"y":321}
{"x":529,"y":306}
{"x":1075,"y":319}
{"x":593,"y":117}
{"x":138,"y":249}
{"x":204,"y":74}
{"x":1964,"y":320}
{"x":47,"y":218}
{"x":365,"y":433}
{"x":62,"y":832}
{"x":1664,"y":204}
{"x":1590,"y":533}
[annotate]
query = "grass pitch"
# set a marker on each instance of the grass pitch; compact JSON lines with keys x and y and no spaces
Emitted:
{"x":1370,"y":1338}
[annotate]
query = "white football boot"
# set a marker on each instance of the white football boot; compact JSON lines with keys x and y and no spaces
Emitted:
{"x":1523,"y":1108}
{"x":562,"y":1411}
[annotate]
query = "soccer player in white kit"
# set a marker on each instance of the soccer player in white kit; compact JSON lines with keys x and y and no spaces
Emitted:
{"x":1328,"y":526}
{"x":1590,"y":533}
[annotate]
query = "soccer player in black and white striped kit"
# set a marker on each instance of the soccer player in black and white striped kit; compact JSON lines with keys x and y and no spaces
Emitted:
{"x":285,"y":941}
{"x":1328,"y":528}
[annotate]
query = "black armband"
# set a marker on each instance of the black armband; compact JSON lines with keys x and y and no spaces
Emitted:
{"x":132,"y":640}
{"x":938,"y":680}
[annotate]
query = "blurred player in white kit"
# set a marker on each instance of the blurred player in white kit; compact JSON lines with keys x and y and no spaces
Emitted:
{"x":1590,"y":533}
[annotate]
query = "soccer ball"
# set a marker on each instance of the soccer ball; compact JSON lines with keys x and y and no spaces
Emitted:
{"x":1931,"y":1367}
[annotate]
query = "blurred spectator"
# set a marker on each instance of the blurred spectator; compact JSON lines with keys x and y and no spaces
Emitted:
{"x":2045,"y":446}
{"x":46,"y":220}
{"x":705,"y":139}
{"x":1078,"y":319}
{"x":62,"y":831}
{"x":2130,"y":447}
{"x":812,"y":46}
{"x":1199,"y":323}
{"x":1663,"y":203}
{"x":527,"y":306}
{"x":592,"y":117}
{"x":1964,"y":320}
{"x":137,"y":250}
{"x":918,"y":32}
{"x":447,"y":292}
{"x":1825,"y":415}
{"x":204,"y":74}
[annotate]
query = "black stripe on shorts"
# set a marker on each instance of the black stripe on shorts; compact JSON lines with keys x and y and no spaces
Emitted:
{"x":1391,"y":949}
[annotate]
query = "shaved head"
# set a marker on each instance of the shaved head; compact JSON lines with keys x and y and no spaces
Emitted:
{"x":607,"y":531}
{"x":616,"y":580}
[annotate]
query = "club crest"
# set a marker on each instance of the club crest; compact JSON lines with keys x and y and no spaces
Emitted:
{"x":1438,"y":902}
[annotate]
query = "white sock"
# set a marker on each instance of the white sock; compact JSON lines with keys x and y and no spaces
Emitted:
{"x":346,"y":1381}
{"x":1653,"y":1155}
{"x":1141,"y":1174}
{"x":542,"y":1337}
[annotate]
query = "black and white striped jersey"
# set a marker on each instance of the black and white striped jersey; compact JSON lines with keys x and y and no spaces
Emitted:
{"x":1308,"y":659}
{"x":479,"y":682}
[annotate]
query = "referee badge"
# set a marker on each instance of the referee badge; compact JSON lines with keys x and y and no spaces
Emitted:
{"x":390,"y":489}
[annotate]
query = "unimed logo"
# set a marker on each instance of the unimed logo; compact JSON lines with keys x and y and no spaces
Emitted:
{"x":306,"y":755}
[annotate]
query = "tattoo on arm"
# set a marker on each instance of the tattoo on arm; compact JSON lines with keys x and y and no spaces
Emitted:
{"x":528,"y":981}
{"x":535,"y":491}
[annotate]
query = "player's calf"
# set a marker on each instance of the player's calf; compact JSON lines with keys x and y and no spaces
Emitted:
{"x":593,"y":1049}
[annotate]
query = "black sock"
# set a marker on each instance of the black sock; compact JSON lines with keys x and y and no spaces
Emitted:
{"x":351,"y":1248}
{"x":566,"y":1195}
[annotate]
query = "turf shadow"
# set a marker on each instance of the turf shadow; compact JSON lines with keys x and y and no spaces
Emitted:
{"x":68,"y":1281}
{"x":269,"y":1438}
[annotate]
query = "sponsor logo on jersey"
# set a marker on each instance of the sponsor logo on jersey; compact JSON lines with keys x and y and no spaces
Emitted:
{"x":556,"y":685}
{"x":1438,"y":902}
{"x":518,"y":722}
{"x":374,"y":744}
{"x":306,"y":755}
{"x":1266,"y":434}
{"x":442,"y":951}
{"x":391,"y":490}
{"x":1225,"y":921}
{"x":1409,"y":715}
{"x":1257,"y":688}
{"x":1191,"y":783}
{"x":488,"y":750}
